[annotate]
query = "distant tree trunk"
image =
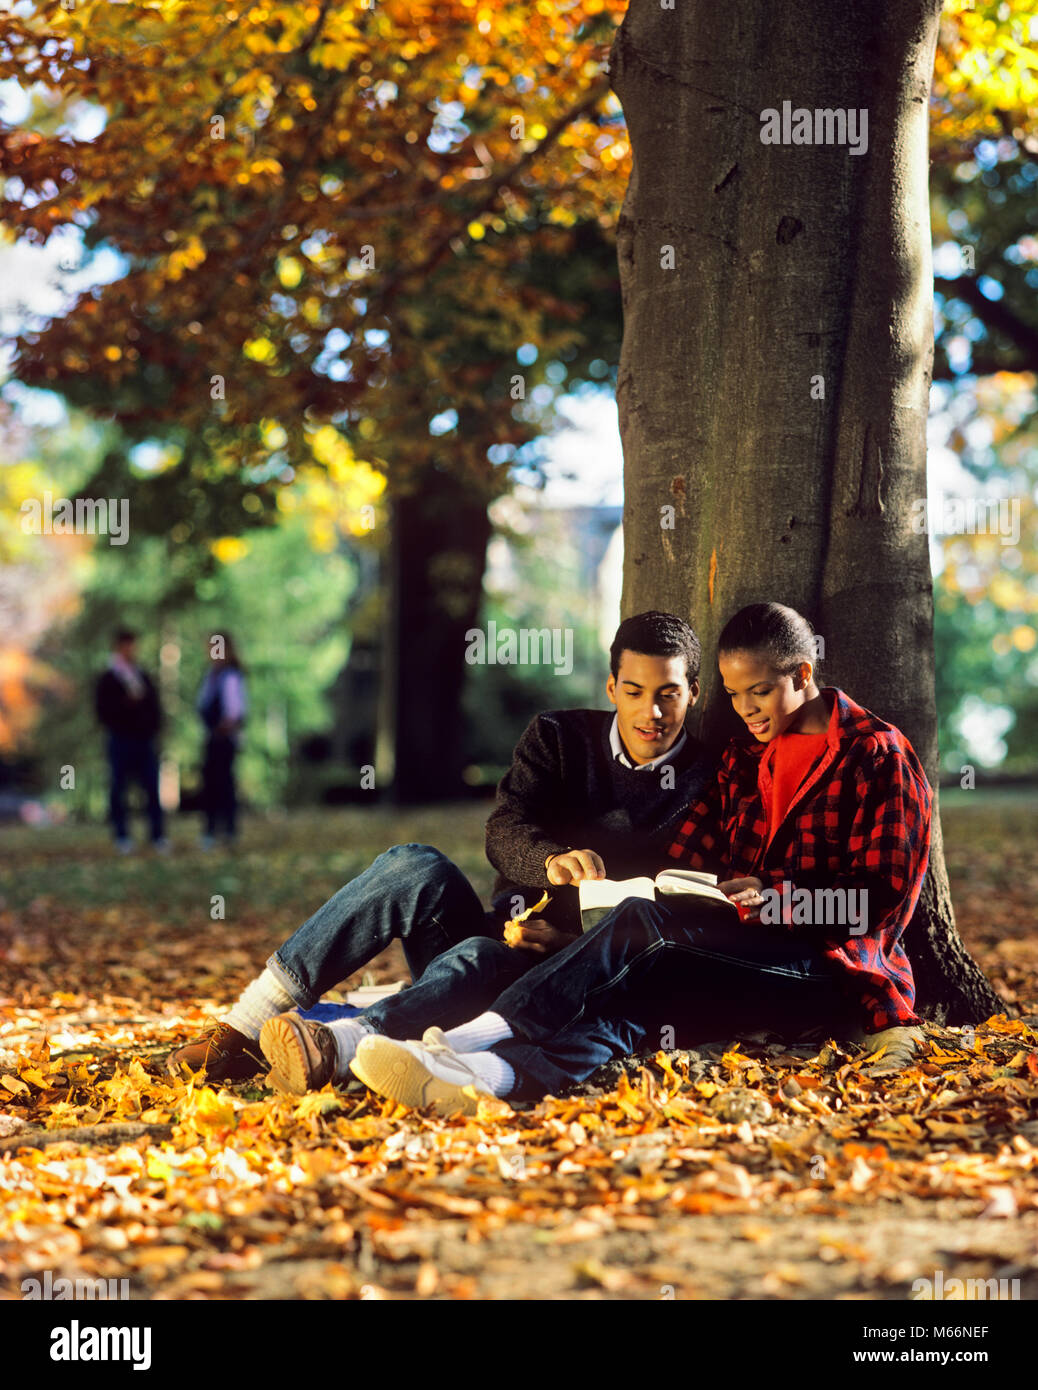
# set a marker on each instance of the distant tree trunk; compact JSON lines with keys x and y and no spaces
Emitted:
{"x":437,"y":558}
{"x":773,"y":384}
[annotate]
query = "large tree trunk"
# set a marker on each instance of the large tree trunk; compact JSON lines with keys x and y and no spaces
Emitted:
{"x":796,"y":269}
{"x":437,"y":558}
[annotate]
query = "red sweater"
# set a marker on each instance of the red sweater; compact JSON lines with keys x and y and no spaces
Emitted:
{"x":785,"y":763}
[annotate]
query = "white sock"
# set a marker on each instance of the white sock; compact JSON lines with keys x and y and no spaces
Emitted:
{"x":495,"y":1073}
{"x":347,"y":1033}
{"x":259,"y":1001}
{"x":477,"y":1036}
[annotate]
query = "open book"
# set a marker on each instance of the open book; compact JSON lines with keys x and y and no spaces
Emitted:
{"x":598,"y":896}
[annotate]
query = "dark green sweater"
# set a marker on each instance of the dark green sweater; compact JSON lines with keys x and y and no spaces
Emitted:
{"x":565,"y":790}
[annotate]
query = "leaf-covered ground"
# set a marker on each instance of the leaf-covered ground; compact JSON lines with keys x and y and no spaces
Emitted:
{"x":745,"y":1170}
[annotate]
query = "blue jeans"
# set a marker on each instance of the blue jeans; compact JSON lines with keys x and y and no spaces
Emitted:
{"x":218,"y":792}
{"x":133,"y":759}
{"x":647,"y":976}
{"x":413,"y":894}
{"x":457,"y":986}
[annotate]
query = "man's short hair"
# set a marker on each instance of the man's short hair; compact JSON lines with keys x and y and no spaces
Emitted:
{"x":656,"y":634}
{"x":124,"y":634}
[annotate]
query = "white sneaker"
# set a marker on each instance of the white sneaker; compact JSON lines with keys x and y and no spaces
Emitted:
{"x":417,"y":1074}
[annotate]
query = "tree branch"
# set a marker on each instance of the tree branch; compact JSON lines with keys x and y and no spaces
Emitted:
{"x":85,"y":1134}
{"x":979,"y":366}
{"x":186,"y":63}
{"x":315,"y":32}
{"x":494,"y":186}
{"x":996,"y":315}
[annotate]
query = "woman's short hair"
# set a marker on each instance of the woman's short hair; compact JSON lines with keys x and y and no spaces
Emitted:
{"x":780,"y":634}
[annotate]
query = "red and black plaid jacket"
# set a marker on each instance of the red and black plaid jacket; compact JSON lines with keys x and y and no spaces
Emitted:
{"x":861,"y":820}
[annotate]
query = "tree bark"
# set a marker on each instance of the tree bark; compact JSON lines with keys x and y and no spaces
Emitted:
{"x":83,"y":1134}
{"x":437,"y":558}
{"x":773,"y":384}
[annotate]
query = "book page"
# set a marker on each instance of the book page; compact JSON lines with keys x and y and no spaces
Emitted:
{"x":687,"y":882}
{"x":609,"y":892}
{"x":688,"y":876}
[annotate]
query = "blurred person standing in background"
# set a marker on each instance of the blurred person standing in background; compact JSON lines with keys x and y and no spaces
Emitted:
{"x":221,"y":706}
{"x":127,"y":705}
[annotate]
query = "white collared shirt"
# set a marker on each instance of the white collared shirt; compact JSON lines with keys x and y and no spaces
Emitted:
{"x":621,"y":756}
{"x":129,"y":675}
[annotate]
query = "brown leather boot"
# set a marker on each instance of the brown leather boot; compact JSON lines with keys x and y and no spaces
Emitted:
{"x":300,"y":1051}
{"x":221,"y":1052}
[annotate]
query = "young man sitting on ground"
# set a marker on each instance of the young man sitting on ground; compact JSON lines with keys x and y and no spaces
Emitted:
{"x":587,"y":793}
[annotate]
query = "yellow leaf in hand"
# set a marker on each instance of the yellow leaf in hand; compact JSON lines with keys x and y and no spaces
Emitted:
{"x":537,"y":907}
{"x":513,"y":933}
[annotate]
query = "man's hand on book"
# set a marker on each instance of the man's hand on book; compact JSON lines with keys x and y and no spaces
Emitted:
{"x":746,"y":891}
{"x":538,"y":935}
{"x":574,"y":866}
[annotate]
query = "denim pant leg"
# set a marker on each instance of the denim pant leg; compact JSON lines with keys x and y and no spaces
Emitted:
{"x":118,"y":759}
{"x":412,"y":892}
{"x":603,"y":972}
{"x":689,"y":999}
{"x":209,"y":787}
{"x":550,"y":1068}
{"x":149,"y":775}
{"x":218,"y":783}
{"x":645,"y":963}
{"x":456,"y":987}
{"x":231,"y":792}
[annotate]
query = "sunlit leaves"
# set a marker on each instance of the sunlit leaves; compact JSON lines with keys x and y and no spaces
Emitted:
{"x":186,"y":257}
{"x":253,"y":1190}
{"x":259,"y":350}
{"x":986,"y":72}
{"x":226,"y":129}
{"x":290,"y":271}
{"x":230,"y":549}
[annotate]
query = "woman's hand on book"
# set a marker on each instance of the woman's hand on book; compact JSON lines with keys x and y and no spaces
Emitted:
{"x":574,"y":866}
{"x":746,"y":892}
